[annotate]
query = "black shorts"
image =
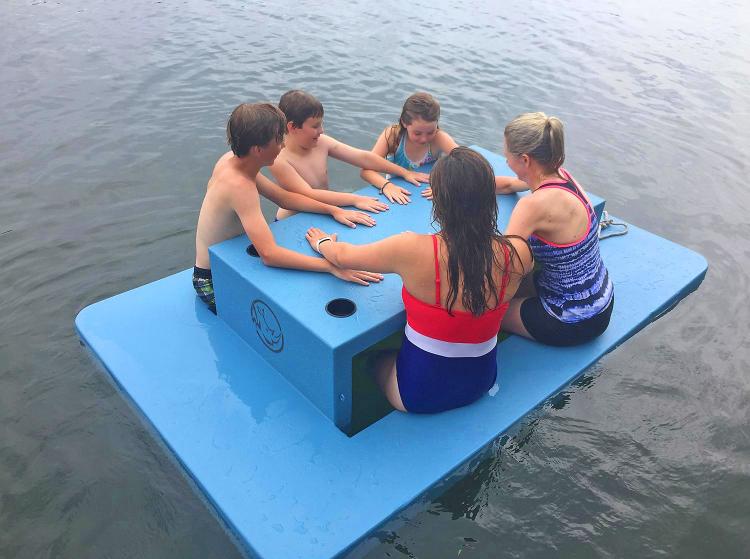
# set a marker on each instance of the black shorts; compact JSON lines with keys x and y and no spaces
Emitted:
{"x":546,"y":329}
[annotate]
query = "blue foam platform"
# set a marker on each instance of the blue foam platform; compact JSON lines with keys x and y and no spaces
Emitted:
{"x":286,"y":480}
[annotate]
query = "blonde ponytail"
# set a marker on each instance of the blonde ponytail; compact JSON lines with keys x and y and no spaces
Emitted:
{"x":539,"y":136}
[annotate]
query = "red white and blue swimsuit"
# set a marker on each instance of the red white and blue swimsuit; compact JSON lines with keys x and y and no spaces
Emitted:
{"x":447,"y":360}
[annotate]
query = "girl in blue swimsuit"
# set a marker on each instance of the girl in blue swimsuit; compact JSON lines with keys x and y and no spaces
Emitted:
{"x":415,"y":141}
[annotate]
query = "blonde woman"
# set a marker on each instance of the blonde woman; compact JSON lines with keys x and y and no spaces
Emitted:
{"x":571,"y":297}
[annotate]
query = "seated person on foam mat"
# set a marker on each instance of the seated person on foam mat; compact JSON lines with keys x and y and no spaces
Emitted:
{"x":569,"y":300}
{"x":302,"y":166}
{"x":414,"y":141}
{"x":457,"y":287}
{"x":255,"y":133}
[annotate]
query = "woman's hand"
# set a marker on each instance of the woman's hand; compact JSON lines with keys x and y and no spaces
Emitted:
{"x":509,"y":185}
{"x":370,"y":204}
{"x":350,"y":218}
{"x":361,"y":277}
{"x":427,"y":193}
{"x":416,"y":178}
{"x":397,"y":194}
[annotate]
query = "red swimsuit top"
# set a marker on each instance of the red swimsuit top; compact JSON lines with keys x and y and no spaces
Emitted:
{"x":462,"y":327}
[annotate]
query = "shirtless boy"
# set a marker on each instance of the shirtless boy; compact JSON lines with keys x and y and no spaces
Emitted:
{"x":255,"y":133}
{"x":302,"y":166}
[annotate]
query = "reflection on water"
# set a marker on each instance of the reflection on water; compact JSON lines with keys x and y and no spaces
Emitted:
{"x":112,"y":117}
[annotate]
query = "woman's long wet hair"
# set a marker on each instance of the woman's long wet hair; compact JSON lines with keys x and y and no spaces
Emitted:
{"x":465,"y":207}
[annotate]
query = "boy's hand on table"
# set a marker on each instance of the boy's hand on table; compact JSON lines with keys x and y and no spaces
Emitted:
{"x":370,"y":204}
{"x":351,"y":217}
{"x":356,"y":276}
{"x":397,"y":194}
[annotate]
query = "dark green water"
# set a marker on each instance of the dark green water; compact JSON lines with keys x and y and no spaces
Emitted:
{"x":111,"y":117}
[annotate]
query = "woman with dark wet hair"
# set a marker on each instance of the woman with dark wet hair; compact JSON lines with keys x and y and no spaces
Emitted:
{"x":457,"y":286}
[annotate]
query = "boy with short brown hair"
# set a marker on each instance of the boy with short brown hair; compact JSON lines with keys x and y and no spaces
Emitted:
{"x":302,"y":166}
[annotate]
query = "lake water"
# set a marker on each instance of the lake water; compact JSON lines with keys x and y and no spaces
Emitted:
{"x":111,"y":117}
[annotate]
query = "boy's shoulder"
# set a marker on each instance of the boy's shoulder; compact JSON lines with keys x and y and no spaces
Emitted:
{"x":327,"y":141}
{"x":227,"y":177}
{"x":332,"y":146}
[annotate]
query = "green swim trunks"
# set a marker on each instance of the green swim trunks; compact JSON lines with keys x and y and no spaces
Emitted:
{"x":204,"y":287}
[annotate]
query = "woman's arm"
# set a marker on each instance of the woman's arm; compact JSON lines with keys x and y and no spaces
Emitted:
{"x":525,"y":263}
{"x":509,"y":185}
{"x":524,"y":218}
{"x":390,"y":255}
{"x":503,"y":185}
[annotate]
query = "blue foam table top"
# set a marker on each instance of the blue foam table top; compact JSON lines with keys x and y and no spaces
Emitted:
{"x":283,"y":477}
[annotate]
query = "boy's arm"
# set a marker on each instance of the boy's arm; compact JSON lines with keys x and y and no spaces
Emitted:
{"x":300,"y":203}
{"x":289,"y":179}
{"x":371,"y":160}
{"x":393,"y":192}
{"x":247,"y":207}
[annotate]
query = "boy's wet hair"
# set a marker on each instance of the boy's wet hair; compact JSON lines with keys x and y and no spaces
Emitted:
{"x":299,"y":105}
{"x":419,"y":105}
{"x":254,"y":124}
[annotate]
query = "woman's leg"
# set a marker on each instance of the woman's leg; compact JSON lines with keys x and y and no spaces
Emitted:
{"x":385,"y":376}
{"x":527,"y":288}
{"x":512,"y":321}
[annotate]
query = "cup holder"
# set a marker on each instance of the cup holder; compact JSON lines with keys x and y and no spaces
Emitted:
{"x":341,"y":308}
{"x":252,"y":251}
